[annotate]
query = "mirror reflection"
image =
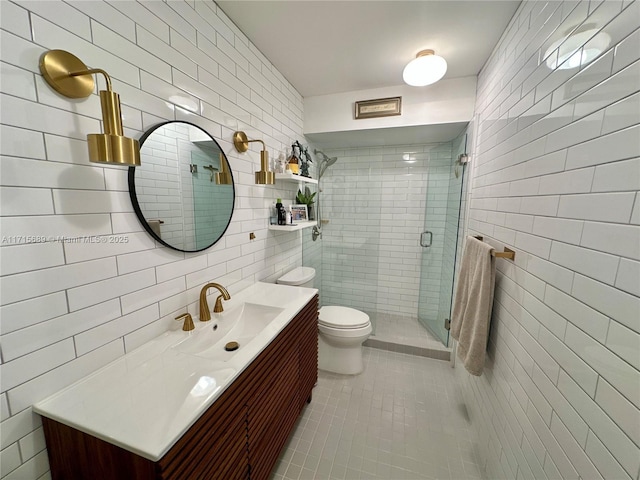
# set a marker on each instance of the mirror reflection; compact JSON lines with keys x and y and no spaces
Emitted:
{"x":183,"y":191}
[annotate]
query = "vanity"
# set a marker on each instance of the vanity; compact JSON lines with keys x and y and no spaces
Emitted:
{"x":182,"y":407}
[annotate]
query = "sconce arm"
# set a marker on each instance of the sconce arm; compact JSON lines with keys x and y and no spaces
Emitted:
{"x":91,"y":71}
{"x":264,"y":147}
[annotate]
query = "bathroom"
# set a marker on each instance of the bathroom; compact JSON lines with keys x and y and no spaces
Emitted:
{"x":553,"y":174}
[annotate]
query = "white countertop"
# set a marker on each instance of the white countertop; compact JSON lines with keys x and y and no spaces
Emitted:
{"x":147,"y":399}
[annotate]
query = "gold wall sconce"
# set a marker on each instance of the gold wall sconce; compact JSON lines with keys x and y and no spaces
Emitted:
{"x":264,"y":176}
{"x":69,"y":76}
{"x":223,"y":177}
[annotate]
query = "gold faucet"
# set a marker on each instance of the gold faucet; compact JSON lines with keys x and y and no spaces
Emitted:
{"x":188,"y":322}
{"x":205,"y":315}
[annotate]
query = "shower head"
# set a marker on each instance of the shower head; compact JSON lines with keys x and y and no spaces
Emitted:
{"x":325,"y":162}
{"x":330,"y":161}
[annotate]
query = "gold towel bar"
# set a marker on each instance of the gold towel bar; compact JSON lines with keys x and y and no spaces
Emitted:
{"x":508,"y":253}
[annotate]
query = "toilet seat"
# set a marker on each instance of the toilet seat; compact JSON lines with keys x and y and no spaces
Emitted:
{"x":342,"y":318}
{"x":360,"y":333}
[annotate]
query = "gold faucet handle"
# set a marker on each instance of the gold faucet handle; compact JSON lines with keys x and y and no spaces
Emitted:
{"x":218,"y":306}
{"x":188,"y":322}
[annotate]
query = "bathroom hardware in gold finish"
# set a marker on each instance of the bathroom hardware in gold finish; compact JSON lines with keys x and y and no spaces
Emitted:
{"x":205,"y":315}
{"x":223,"y":177}
{"x":264,"y":176}
{"x":232,"y":346}
{"x":187,"y":326}
{"x":69,"y":76}
{"x":507,"y":253}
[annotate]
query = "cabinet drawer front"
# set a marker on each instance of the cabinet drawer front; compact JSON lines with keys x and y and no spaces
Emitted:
{"x":75,"y":454}
{"x":266,"y":448}
{"x":282,"y":385}
{"x":225,"y":443}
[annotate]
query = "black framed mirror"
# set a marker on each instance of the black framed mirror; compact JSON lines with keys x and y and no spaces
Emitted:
{"x":183,"y":192}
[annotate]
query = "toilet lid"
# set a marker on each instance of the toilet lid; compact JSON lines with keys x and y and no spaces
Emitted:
{"x":342,"y":317}
{"x":297,"y":276}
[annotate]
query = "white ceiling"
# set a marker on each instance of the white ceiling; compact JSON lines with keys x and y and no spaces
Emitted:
{"x":325,"y":47}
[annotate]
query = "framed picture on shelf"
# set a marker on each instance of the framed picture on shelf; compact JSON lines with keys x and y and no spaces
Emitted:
{"x":299,"y":213}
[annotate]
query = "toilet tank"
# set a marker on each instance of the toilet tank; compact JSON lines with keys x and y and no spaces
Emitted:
{"x":300,"y":276}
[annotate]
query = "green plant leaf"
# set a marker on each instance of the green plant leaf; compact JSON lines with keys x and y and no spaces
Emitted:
{"x":306,"y":197}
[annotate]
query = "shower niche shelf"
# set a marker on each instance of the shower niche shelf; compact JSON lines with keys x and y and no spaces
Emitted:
{"x":290,"y":177}
{"x":294,"y":227}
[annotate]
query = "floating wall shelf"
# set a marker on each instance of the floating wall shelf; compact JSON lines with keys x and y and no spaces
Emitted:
{"x":290,"y":177}
{"x":294,"y":227}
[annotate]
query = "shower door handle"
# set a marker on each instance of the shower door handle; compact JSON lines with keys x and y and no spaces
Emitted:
{"x":422,"y":238}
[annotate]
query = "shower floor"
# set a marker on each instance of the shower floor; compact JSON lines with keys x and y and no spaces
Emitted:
{"x":405,"y":334}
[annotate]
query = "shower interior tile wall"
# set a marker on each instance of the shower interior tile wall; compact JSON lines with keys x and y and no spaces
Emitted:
{"x":556,"y":174}
{"x":70,"y":307}
{"x":375,"y":202}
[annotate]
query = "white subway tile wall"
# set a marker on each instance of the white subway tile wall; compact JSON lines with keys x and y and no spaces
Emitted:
{"x":555,"y":175}
{"x":73,"y":299}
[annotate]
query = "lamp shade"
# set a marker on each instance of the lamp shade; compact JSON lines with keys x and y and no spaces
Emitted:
{"x":425,"y":69}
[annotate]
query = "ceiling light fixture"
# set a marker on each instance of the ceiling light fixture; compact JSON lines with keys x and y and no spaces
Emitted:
{"x":69,"y":76}
{"x":425,"y":69}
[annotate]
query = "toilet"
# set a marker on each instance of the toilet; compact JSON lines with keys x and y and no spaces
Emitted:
{"x":341,"y":330}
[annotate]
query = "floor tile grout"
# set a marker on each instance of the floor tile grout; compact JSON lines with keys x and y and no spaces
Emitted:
{"x":398,"y":420}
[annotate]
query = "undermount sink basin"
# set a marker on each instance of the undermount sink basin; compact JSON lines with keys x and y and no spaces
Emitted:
{"x":240,"y":324}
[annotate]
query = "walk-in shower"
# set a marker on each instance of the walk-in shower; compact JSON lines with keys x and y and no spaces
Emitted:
{"x":371,"y":213}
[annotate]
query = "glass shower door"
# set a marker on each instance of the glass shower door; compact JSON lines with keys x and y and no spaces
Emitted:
{"x":439,"y":240}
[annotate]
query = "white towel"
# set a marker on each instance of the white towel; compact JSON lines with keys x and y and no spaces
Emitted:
{"x":473,"y":303}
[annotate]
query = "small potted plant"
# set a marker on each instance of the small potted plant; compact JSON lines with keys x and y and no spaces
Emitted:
{"x":306,"y":198}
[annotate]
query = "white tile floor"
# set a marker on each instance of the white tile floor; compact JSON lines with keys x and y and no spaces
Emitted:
{"x":401,"y":419}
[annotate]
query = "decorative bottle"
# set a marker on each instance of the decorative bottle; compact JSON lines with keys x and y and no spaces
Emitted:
{"x":282,"y":214}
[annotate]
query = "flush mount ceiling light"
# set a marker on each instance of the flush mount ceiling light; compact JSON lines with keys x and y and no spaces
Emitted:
{"x":264,"y":176}
{"x":69,"y":76}
{"x":425,"y":69}
{"x":577,"y":49}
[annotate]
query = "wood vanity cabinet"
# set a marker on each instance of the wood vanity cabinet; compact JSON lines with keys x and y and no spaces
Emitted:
{"x":239,"y":437}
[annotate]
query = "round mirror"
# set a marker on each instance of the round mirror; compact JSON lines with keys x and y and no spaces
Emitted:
{"x":183,"y":190}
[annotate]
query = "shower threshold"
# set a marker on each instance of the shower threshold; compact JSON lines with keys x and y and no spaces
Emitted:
{"x":404,"y":334}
